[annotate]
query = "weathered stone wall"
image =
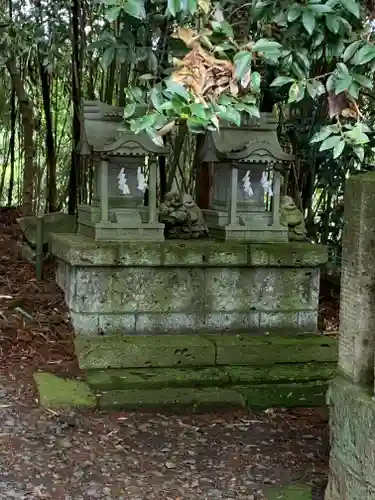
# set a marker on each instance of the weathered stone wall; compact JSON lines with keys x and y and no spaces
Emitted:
{"x":352,"y":409}
{"x":188,"y":287}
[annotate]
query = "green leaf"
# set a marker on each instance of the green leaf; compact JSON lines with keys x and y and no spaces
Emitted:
{"x":242,"y":63}
{"x":280,"y":81}
{"x":142,"y":123}
{"x":330,"y":142}
{"x":363,"y":80}
{"x":112,"y":14}
{"x":174,"y":6}
{"x":342,"y":83}
{"x":360,"y":153}
{"x":296,"y":92}
{"x":352,"y":6}
{"x":129,"y":110}
{"x":364,"y":55}
{"x":315,"y":88}
{"x":351,"y":50}
{"x":339,"y":148}
{"x":267,"y":46}
{"x":231,"y":115}
{"x":294,"y":13}
{"x":309,"y":21}
{"x":255,"y":81}
{"x":135,"y":8}
{"x":321,"y":135}
{"x":156,"y":98}
{"x":251,"y":110}
{"x":176,"y":88}
{"x":320,"y":8}
{"x":333,"y":23}
{"x":318,"y":39}
{"x":354,"y":90}
{"x":189,"y":6}
{"x":198,"y":110}
{"x":156,"y":138}
{"x":108,"y":56}
{"x":342,"y":69}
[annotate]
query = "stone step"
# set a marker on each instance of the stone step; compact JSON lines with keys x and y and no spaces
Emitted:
{"x":104,"y":352}
{"x":204,"y":398}
{"x":56,"y":392}
{"x":219,"y":376}
{"x":293,"y":492}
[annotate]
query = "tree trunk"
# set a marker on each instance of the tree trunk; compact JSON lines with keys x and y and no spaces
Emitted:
{"x":12,"y":144}
{"x":50,"y":142}
{"x":76,"y":98}
{"x":26,"y":111}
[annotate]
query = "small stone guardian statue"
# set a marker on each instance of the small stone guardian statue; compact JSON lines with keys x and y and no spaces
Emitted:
{"x":292,"y":218}
{"x":182,"y":217}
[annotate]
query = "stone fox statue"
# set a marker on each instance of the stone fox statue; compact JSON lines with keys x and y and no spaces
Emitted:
{"x":293,"y":219}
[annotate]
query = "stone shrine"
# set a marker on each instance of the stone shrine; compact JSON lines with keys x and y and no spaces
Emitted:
{"x":117,"y":212}
{"x":247,"y":164}
{"x":189,"y":308}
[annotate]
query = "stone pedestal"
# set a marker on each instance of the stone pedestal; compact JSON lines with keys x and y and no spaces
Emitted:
{"x":188,"y":287}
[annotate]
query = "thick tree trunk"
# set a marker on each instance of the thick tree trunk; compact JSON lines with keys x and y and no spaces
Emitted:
{"x":26,"y":111}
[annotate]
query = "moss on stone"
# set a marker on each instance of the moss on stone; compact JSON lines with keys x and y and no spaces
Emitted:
{"x":79,"y":250}
{"x":290,"y":395}
{"x":286,"y":372}
{"x":57,"y":392}
{"x":171,"y":399}
{"x":144,"y":351}
{"x":293,"y":492}
{"x":245,"y":350}
{"x":149,"y":378}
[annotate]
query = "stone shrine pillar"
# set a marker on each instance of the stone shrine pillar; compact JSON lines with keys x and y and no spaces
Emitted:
{"x":350,"y":397}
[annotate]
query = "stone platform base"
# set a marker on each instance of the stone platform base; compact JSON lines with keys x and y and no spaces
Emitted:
{"x":352,"y":459}
{"x":188,"y":287}
{"x":195,"y":372}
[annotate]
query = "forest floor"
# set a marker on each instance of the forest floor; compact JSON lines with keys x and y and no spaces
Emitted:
{"x":133,"y":456}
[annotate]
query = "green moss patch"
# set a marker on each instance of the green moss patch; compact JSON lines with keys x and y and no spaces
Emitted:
{"x":171,"y":398}
{"x":56,"y":392}
{"x":149,"y":378}
{"x":292,"y":395}
{"x":144,"y":351}
{"x":294,"y":492}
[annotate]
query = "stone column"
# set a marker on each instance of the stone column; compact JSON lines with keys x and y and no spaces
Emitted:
{"x":104,"y":191}
{"x":357,"y":309}
{"x":350,"y":397}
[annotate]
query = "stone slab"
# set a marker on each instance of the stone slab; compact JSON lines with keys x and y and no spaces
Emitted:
{"x":352,"y":424}
{"x":270,"y":349}
{"x":79,"y":250}
{"x":194,"y":399}
{"x":56,"y":392}
{"x":293,"y":492}
{"x":104,"y":352}
{"x":288,"y":372}
{"x":158,"y":378}
{"x":290,"y":395}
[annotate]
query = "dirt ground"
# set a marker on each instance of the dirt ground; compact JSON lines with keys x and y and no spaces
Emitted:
{"x":153,"y":456}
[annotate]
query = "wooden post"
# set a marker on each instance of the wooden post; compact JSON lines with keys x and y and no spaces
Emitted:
{"x":39,"y":247}
{"x":152,"y":193}
{"x":233,"y":195}
{"x":104,"y":191}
